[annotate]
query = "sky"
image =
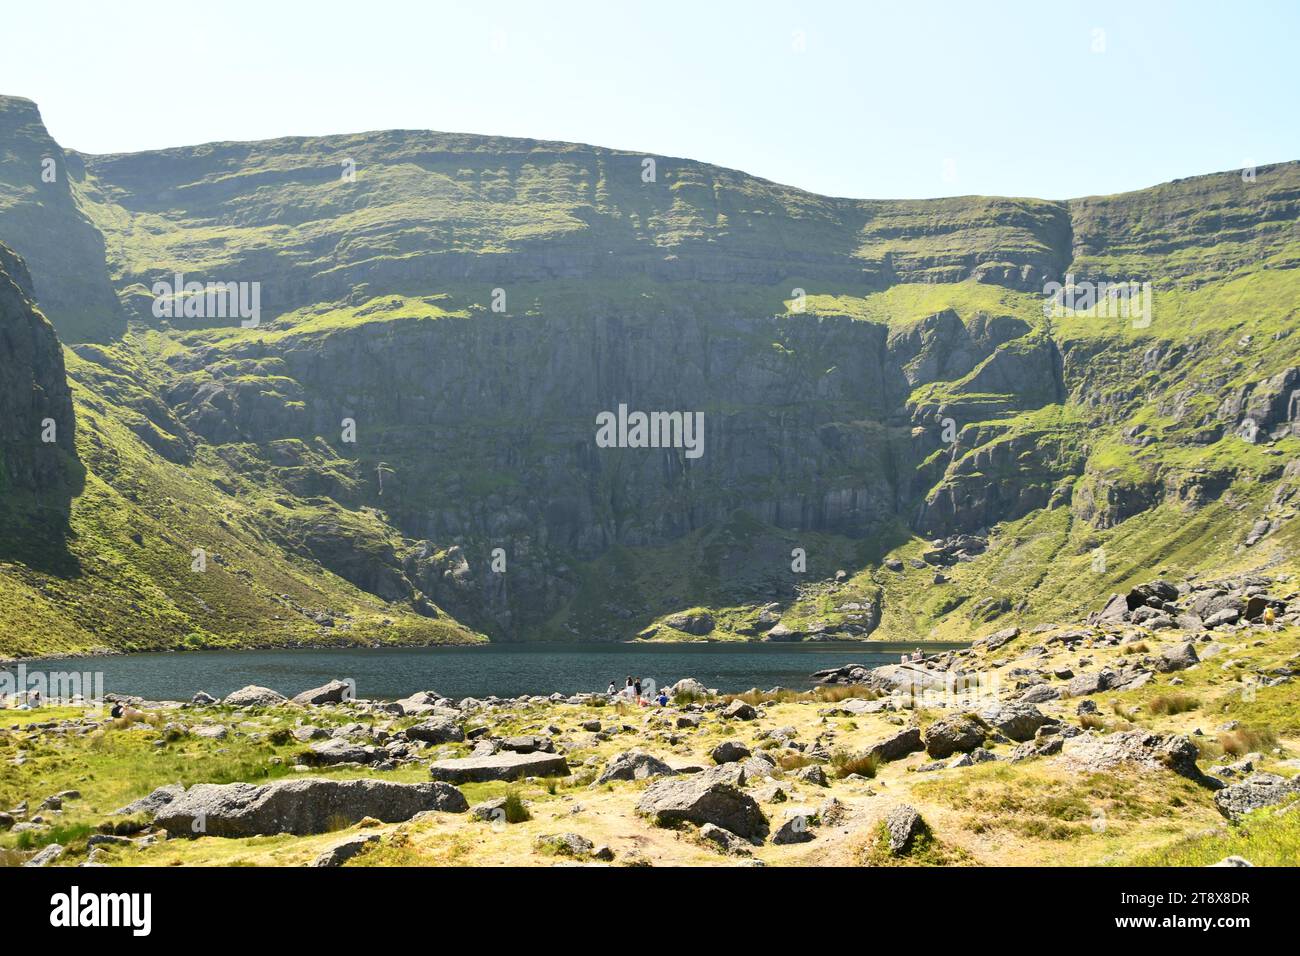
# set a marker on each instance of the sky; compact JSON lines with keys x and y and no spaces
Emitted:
{"x":1049,"y":98}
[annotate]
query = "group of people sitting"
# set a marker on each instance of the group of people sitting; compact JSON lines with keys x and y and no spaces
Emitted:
{"x":916,"y":655}
{"x":637,"y":690}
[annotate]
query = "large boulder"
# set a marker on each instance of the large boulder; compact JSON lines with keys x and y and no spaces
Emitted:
{"x":335,"y":692}
{"x":300,"y":806}
{"x":634,"y":765}
{"x":697,"y":623}
{"x":439,"y":729}
{"x":898,"y":746}
{"x":957,"y":733}
{"x":1018,"y":721}
{"x":421,"y":702}
{"x":688,"y":685}
{"x":739,"y":710}
{"x":339,"y":750}
{"x":506,"y":765}
{"x":1256,"y":791}
{"x":1177,"y":658}
{"x":701,"y":799}
{"x":729,"y":751}
{"x":1136,"y":748}
{"x":254,"y":696}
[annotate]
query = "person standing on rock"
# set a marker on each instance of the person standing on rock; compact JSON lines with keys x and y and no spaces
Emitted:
{"x":637,"y":689}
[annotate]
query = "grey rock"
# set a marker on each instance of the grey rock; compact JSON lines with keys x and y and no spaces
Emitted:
{"x":727,"y":841}
{"x":340,"y":853}
{"x":797,"y":828}
{"x":904,"y":825}
{"x":1177,"y":658}
{"x":498,"y":766}
{"x":254,"y":696}
{"x":335,"y":692}
{"x":1256,"y":791}
{"x":634,"y":765}
{"x":739,"y":710}
{"x":300,"y":806}
{"x":701,"y":799}
{"x":1019,"y":721}
{"x":729,"y":751}
{"x":46,"y":856}
{"x":565,"y":844}
{"x":953,"y":734}
{"x":436,"y":730}
{"x":152,"y":802}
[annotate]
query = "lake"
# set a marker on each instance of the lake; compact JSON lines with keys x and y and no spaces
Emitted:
{"x":504,"y":670}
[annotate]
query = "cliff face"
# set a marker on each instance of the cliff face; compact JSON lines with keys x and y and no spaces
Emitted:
{"x":444,"y":317}
{"x":41,"y":218}
{"x":37,"y":426}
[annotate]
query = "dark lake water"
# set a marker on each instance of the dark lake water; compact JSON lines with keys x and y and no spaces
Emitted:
{"x":501,"y":669}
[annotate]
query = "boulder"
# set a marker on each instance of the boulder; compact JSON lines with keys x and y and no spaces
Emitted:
{"x":436,"y":730}
{"x":698,"y":623}
{"x":1256,"y":791}
{"x":898,"y":746}
{"x":739,"y":710}
{"x":420,"y":703}
{"x":727,"y":841}
{"x":1040,"y":694}
{"x":812,"y":774}
{"x":254,"y":696}
{"x":335,"y":692}
{"x":904,"y":825}
{"x":340,"y":853}
{"x":957,"y":733}
{"x":45,"y":857}
{"x":1138,"y":748}
{"x":337,"y":751}
{"x":499,"y":766}
{"x":634,"y":765}
{"x":565,"y":844}
{"x":999,"y":638}
{"x":202,"y":699}
{"x":797,"y":828}
{"x":152,"y":802}
{"x":687,"y":685}
{"x":300,"y":806}
{"x":528,"y":744}
{"x":1177,"y":658}
{"x":1019,"y":721}
{"x":701,"y":799}
{"x":729,"y":751}
{"x":1081,"y":685}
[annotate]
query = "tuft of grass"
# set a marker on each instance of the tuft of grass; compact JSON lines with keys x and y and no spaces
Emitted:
{"x":1246,"y":740}
{"x":844,"y":763}
{"x":514,"y":808}
{"x":1172,"y":703}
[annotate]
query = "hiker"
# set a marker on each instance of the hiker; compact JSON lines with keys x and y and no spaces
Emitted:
{"x":637,"y":688}
{"x":116,"y":712}
{"x":612,"y":690}
{"x":663,"y":698}
{"x":34,"y":698}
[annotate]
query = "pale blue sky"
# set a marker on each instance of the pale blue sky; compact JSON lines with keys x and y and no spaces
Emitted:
{"x":881,"y":100}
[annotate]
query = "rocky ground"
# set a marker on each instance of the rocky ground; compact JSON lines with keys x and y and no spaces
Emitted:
{"x":1165,"y":730}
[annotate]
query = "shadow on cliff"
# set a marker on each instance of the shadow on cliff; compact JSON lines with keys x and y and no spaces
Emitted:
{"x":36,"y":527}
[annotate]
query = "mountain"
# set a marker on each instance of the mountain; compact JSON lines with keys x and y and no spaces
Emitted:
{"x":887,"y":395}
